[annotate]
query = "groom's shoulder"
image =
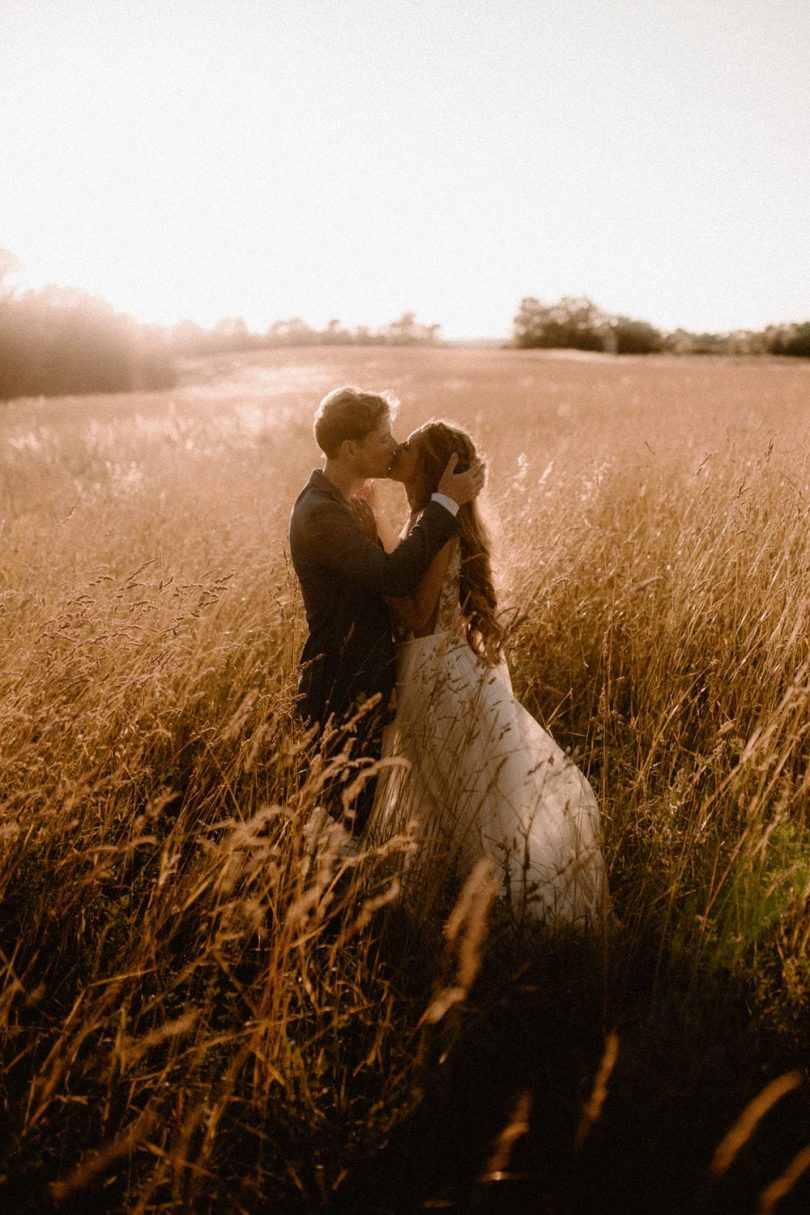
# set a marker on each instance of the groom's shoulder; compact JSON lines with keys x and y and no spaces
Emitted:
{"x":317,"y":496}
{"x":317,"y":491}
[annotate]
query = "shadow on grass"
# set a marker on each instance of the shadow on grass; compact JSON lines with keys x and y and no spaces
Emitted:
{"x":689,"y":1059}
{"x":531,"y":1036}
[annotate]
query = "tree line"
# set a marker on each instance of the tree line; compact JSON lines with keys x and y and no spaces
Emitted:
{"x":187,"y":338}
{"x":577,"y":323}
{"x":59,"y":341}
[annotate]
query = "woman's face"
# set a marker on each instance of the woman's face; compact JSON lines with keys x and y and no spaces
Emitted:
{"x":405,"y":463}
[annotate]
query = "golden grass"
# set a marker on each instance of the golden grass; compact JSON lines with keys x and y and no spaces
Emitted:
{"x":742,"y":1130}
{"x":592,"y":1110}
{"x":194,"y":1001}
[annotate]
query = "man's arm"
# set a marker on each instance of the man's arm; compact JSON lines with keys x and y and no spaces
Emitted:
{"x":417,"y":609}
{"x":335,"y":540}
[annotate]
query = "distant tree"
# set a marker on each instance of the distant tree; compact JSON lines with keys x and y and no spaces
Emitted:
{"x":574,"y":322}
{"x":294,"y":332}
{"x":406,"y":331}
{"x":8,"y":265}
{"x":189,"y":338}
{"x":334,"y":335}
{"x":635,"y":337}
{"x":529,"y":323}
{"x":402,"y":332}
{"x":683,"y":341}
{"x":793,"y":340}
{"x":232,"y":333}
{"x":59,"y":340}
{"x":745,"y":341}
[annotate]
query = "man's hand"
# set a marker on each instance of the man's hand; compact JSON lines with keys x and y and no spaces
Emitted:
{"x":462,"y":487}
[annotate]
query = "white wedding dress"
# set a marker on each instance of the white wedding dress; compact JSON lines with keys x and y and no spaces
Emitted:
{"x":481,"y":777}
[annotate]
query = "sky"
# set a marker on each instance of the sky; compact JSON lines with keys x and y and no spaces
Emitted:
{"x":355,"y":159}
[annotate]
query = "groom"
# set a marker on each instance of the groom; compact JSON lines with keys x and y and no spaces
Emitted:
{"x":346,"y":575}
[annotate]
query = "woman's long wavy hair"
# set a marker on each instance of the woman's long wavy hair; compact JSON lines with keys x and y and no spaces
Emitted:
{"x":437,"y":442}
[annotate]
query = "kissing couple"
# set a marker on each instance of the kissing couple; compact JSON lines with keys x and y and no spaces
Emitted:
{"x":411,"y":620}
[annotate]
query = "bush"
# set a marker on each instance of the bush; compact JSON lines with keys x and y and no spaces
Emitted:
{"x":796,"y":342}
{"x":574,"y":322}
{"x":635,"y":337}
{"x":56,"y":341}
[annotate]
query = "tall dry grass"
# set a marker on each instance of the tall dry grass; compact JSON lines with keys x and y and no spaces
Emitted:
{"x":199,"y":1008}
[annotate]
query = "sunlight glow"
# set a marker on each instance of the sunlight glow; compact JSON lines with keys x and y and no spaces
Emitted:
{"x":354,"y":160}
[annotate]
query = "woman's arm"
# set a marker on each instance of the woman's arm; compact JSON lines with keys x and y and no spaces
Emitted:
{"x":385,"y":529}
{"x":389,"y":538}
{"x":418,"y":609}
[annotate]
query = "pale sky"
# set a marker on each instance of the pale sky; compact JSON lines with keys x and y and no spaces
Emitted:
{"x":357,"y":158}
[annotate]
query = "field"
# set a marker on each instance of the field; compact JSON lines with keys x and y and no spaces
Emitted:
{"x":200,"y":1013}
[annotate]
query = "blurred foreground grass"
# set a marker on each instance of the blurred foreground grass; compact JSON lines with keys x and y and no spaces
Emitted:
{"x":199,"y":1011}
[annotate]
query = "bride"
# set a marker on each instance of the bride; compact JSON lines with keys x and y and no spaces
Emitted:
{"x":479,"y":776}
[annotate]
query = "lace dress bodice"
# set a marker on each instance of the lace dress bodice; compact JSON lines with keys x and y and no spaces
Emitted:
{"x":448,"y":618}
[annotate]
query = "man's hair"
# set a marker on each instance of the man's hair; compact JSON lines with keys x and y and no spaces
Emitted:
{"x":350,"y":413}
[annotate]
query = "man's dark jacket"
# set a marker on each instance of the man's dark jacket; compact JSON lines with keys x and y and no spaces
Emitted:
{"x":344,"y":576}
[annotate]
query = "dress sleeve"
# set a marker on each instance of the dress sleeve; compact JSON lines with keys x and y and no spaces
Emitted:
{"x":335,"y":540}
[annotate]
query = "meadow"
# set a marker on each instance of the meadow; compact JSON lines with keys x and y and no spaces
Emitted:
{"x":201,"y":1012}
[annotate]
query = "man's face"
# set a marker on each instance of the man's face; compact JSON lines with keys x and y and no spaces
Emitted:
{"x":375,"y":453}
